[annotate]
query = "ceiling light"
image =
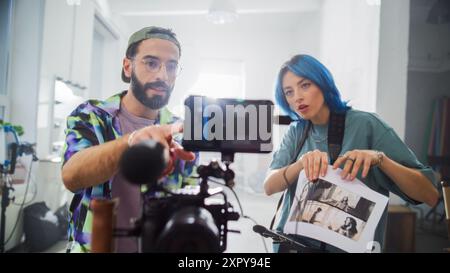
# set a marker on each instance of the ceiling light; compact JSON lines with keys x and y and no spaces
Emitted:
{"x":222,"y":12}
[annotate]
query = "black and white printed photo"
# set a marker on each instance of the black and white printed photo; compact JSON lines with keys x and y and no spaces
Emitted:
{"x":331,"y":207}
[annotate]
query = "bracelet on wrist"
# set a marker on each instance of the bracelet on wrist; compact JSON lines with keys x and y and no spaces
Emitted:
{"x":130,"y":138}
{"x":285,"y":177}
{"x":380,"y":157}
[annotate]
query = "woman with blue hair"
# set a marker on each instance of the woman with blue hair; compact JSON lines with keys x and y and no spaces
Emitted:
{"x":371,"y":150}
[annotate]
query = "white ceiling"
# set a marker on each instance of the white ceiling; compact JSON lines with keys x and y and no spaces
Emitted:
{"x":198,"y":7}
{"x":179,"y":14}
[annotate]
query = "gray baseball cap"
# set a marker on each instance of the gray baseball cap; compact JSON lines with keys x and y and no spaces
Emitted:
{"x":149,"y":33}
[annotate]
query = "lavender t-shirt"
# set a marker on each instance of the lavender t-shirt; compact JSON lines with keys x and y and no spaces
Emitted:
{"x":129,"y":195}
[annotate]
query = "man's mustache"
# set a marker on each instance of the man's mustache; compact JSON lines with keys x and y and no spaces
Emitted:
{"x":158,"y":85}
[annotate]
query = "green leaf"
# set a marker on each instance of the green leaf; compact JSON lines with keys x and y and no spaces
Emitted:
{"x":17,"y":128}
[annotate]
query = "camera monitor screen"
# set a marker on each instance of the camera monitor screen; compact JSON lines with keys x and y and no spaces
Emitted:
{"x":228,"y":125}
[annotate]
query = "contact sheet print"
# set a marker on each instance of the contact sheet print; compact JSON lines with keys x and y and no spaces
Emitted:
{"x":342,"y":213}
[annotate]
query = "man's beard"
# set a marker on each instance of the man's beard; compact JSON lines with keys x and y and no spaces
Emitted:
{"x":156,"y":101}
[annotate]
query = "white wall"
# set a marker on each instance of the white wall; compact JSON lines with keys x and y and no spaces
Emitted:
{"x":25,"y":65}
{"x":67,"y":53}
{"x":23,"y":92}
{"x":113,"y":52}
{"x":393,"y":64}
{"x":42,"y":47}
{"x":365,"y":46}
{"x":307,"y":36}
{"x":349,"y":48}
{"x":106,"y":60}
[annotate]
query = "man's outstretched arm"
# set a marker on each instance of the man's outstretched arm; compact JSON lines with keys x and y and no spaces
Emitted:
{"x":96,"y":164}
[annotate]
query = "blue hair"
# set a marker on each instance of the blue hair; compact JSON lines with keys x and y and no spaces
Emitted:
{"x":308,"y":67}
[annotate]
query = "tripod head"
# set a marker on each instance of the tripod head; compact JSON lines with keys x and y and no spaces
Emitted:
{"x":214,"y":169}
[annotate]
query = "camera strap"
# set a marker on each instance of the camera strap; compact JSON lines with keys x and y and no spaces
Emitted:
{"x":336,"y":128}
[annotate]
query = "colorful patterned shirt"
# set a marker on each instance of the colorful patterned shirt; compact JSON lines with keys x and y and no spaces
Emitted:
{"x":93,"y":123}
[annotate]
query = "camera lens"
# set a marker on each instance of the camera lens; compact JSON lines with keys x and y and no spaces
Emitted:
{"x":191,"y":229}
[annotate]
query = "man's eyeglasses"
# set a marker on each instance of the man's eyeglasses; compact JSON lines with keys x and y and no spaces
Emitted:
{"x":154,"y":65}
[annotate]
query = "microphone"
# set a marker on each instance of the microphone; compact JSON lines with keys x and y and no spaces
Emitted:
{"x":144,"y":162}
{"x":276,"y":236}
{"x":262,"y":230}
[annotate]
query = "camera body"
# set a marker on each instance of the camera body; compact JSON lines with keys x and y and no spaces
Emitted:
{"x":189,"y":221}
{"x":184,"y":220}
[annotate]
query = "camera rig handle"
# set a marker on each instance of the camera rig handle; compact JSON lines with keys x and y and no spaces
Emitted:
{"x":213,"y":169}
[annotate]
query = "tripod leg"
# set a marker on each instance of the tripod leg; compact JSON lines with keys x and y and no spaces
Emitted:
{"x":5,"y":203}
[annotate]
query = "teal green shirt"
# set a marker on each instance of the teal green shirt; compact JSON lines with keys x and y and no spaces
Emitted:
{"x":363,"y":131}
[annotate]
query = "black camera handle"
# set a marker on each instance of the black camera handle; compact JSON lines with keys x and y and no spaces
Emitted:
{"x":213,"y":169}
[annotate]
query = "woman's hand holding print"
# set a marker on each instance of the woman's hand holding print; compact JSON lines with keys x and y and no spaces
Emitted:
{"x":354,"y":160}
{"x":314,"y":163}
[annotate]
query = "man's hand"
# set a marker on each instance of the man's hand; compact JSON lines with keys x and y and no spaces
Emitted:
{"x":163,"y":134}
{"x":160,"y":133}
{"x":178,"y":151}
